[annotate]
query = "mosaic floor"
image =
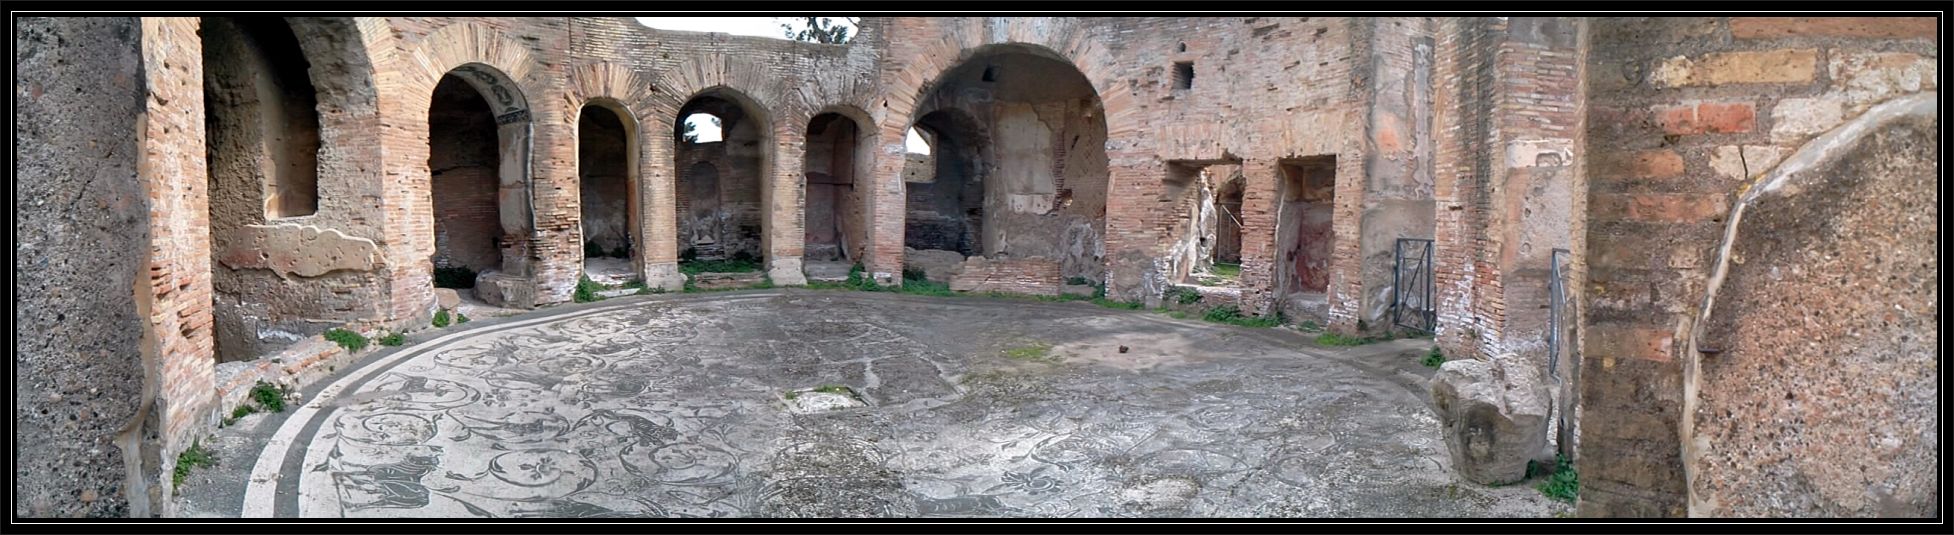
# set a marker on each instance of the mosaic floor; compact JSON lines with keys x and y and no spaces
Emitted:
{"x":678,"y":407}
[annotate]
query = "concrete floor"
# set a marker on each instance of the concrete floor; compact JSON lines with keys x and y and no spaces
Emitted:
{"x":675,"y":405}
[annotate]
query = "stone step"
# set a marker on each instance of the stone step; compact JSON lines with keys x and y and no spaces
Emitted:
{"x":716,"y":281}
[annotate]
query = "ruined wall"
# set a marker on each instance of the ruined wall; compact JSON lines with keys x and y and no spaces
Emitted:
{"x":1508,"y":184}
{"x":1264,"y":89}
{"x":944,"y":208}
{"x":1685,"y":116}
{"x":81,"y":213}
{"x":1394,"y":78}
{"x":291,"y":256}
{"x":1043,"y":174}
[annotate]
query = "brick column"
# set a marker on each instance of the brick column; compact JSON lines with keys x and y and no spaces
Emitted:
{"x":785,"y":197}
{"x":1259,"y":199}
{"x":657,"y":184}
{"x":884,"y":204}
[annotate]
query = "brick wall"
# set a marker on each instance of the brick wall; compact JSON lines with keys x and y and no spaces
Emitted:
{"x":1684,"y":116}
{"x":1028,"y":276}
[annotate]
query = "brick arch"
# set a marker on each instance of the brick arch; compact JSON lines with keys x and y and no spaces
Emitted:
{"x":757,"y":85}
{"x":751,"y":85}
{"x":864,"y":178}
{"x":629,"y":90}
{"x":629,"y":94}
{"x":490,"y":60}
{"x":1060,"y":39}
{"x":1055,"y":38}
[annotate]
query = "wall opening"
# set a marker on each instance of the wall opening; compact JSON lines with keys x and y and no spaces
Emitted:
{"x":262,"y":142}
{"x":832,"y":214}
{"x":1304,"y":235}
{"x":1207,"y":248}
{"x":1184,"y":75}
{"x":703,"y":128}
{"x":1031,"y":149}
{"x":1228,"y":223}
{"x":944,"y":190}
{"x":721,"y":215}
{"x":605,"y":153}
{"x":464,"y":160}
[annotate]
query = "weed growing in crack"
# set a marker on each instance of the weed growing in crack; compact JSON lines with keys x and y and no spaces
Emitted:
{"x":1564,"y":485}
{"x":269,"y":396}
{"x":352,"y":341}
{"x":194,"y":457}
{"x":1433,"y":359}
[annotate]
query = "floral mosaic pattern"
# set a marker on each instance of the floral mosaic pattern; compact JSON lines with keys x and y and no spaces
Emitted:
{"x":674,"y":410}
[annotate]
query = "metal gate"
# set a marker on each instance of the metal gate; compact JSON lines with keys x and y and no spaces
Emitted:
{"x":1562,"y":362}
{"x":1411,"y":286}
{"x":1556,"y":309}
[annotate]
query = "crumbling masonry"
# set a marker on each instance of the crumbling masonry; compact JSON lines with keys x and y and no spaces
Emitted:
{"x":1741,"y":209}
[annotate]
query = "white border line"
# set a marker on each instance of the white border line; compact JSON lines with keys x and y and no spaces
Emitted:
{"x":261,"y":492}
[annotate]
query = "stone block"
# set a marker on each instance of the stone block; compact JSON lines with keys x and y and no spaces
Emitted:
{"x":1795,"y":119}
{"x":1658,"y":207}
{"x":1730,"y":161}
{"x":938,"y":265}
{"x":1874,"y":27}
{"x":1867,"y":78}
{"x":1745,"y":67}
{"x":1661,"y":163}
{"x":1726,"y":117}
{"x":448,"y":298}
{"x":502,"y":290}
{"x":1492,"y":415}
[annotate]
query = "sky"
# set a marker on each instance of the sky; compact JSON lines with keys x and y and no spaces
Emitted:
{"x":754,"y":26}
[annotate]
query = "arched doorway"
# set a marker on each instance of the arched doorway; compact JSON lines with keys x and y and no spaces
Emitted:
{"x":1021,"y":169}
{"x":606,"y":161}
{"x":832,"y":216}
{"x":478,"y":162}
{"x":722,"y":150}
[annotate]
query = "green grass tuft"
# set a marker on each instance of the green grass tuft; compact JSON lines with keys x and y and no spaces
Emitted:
{"x":731,"y":265}
{"x":1433,"y":359}
{"x":461,"y":318}
{"x":1232,"y":315}
{"x":242,"y":411}
{"x":1334,"y":339}
{"x":1118,"y":305}
{"x":586,"y":290}
{"x":194,"y":457}
{"x":1182,"y":295}
{"x":393,"y":339}
{"x":1564,"y":485}
{"x":269,"y":396}
{"x":352,"y":341}
{"x":441,"y":318}
{"x":1033,"y":352}
{"x":1230,"y":271}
